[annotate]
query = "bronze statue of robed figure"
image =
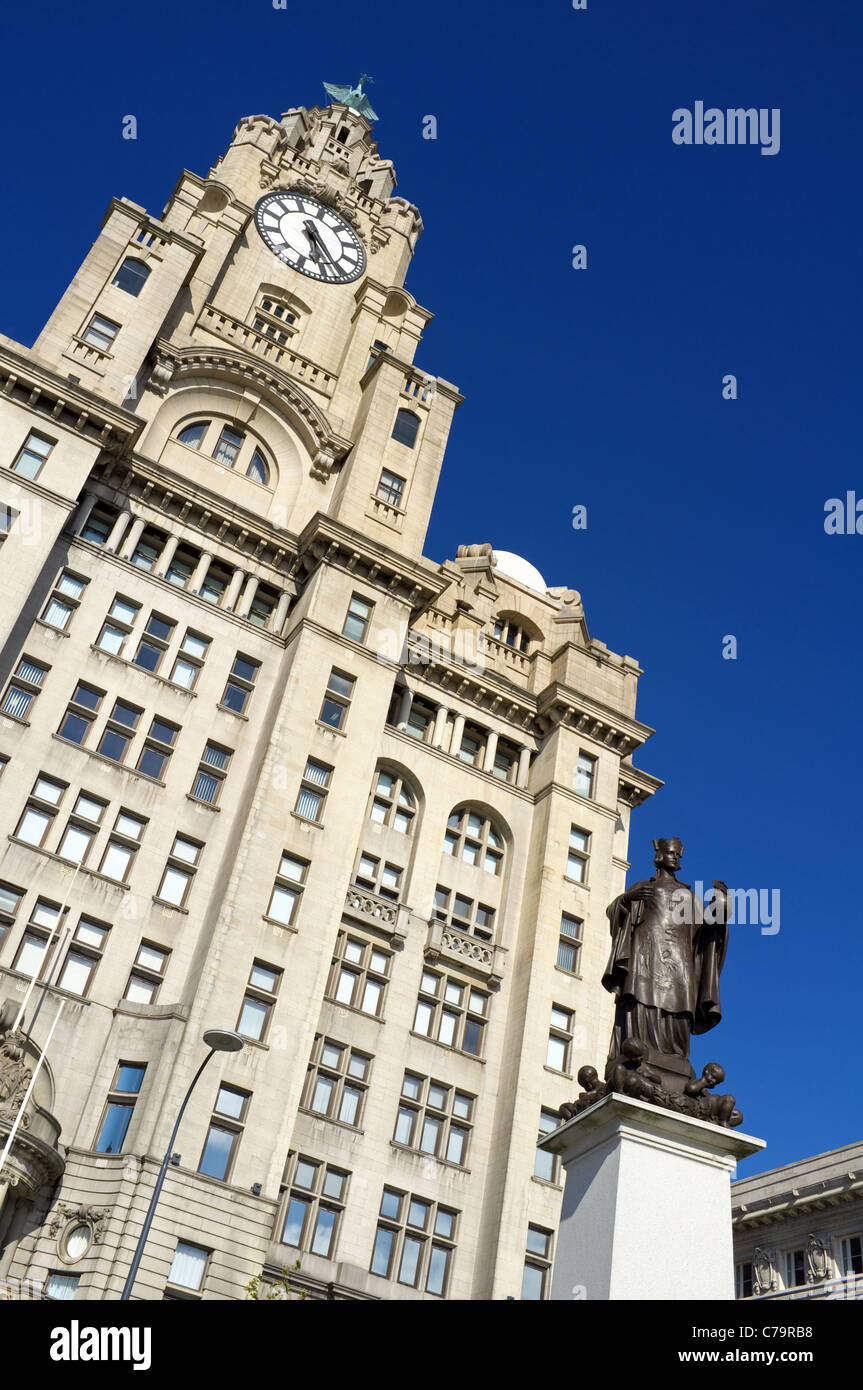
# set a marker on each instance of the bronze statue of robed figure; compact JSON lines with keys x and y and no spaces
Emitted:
{"x":667,"y":952}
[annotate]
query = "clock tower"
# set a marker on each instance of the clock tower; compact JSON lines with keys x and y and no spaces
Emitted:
{"x":268,"y":768}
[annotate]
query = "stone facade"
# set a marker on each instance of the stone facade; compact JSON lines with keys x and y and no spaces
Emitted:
{"x":389,"y":860}
{"x":798,"y":1230}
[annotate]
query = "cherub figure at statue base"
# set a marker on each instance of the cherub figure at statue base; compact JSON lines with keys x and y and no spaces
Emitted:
{"x":633,"y":1076}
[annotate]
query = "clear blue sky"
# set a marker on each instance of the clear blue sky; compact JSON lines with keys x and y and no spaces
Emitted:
{"x":600,"y":387}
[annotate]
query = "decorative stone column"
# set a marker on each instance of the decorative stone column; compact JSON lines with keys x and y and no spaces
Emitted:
{"x":523,"y":767}
{"x":132,"y":538}
{"x":169,"y":549}
{"x":117,"y":530}
{"x":456,"y":736}
{"x":440,"y":723}
{"x":647,"y":1204}
{"x":233,"y":590}
{"x":490,"y":750}
{"x":248,"y":595}
{"x":200,"y":573}
{"x":81,"y":515}
{"x":404,"y":709}
{"x":281,"y":613}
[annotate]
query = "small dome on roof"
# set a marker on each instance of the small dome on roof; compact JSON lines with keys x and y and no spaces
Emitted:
{"x":522,"y":571}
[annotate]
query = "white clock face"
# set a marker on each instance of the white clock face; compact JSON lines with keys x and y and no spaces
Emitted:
{"x":310,"y":237}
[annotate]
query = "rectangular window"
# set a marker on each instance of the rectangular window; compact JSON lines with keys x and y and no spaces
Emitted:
{"x":27,"y":680}
{"x":60,"y":608}
{"x":117,"y":626}
{"x":434,"y":1119}
{"x":359,"y":975}
{"x":148,"y":549}
{"x":154,"y":643}
{"x":147,"y":974}
{"x":62,"y":1287}
{"x":39,"y":811}
{"x":547,"y":1165}
{"x":190,"y":659}
{"x":414,"y":1241}
{"x":390,"y":488}
{"x":505,"y":766}
{"x":744,"y":1279}
{"x":158,"y":746}
{"x":585,"y":775}
{"x":465,"y":914}
{"x":119,"y":1106}
{"x":122,"y":846}
{"x":215,"y":583}
{"x":182,"y":566}
{"x":188,"y":1266}
{"x":80,"y":714}
{"x":420,"y":721}
{"x":337,"y":700}
{"x":259,"y":1001}
{"x":179,"y":871}
{"x":559,"y":1050}
{"x":313,"y":791}
{"x":451,"y":1012}
{"x":579,"y":854}
{"x":313,"y":1204}
{"x":337,"y":1082}
{"x":358,"y":618}
{"x":99,"y":524}
{"x":207,"y":786}
{"x":379,"y":877}
{"x":119,"y":730}
{"x":537,"y":1265}
{"x":241,"y":683}
{"x":795,"y":1269}
{"x":569,"y":944}
{"x":83,"y":956}
{"x":851,"y":1253}
{"x":100,"y":332}
{"x":32,"y":455}
{"x":225,"y":1132}
{"x":287,"y":890}
{"x":10,"y":901}
{"x":82,"y":828}
{"x":228,"y":445}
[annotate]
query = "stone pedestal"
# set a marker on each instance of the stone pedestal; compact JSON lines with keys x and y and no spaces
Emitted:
{"x":647,"y":1205}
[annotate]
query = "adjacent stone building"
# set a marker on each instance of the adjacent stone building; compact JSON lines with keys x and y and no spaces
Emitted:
{"x":267,"y":767}
{"x":798,"y":1229}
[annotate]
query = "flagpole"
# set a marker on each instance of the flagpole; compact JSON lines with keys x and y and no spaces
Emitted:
{"x":33,"y":979}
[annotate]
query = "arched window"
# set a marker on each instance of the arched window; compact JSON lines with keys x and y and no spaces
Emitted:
{"x":257,"y":469}
{"x":365,"y":186}
{"x":505,"y":630}
{"x":131,"y":276}
{"x":193,"y":434}
{"x":475,"y":839}
{"x":406,"y":428}
{"x":393,"y":803}
{"x":229,"y":446}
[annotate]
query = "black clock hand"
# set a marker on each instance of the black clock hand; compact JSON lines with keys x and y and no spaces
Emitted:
{"x":317,"y":244}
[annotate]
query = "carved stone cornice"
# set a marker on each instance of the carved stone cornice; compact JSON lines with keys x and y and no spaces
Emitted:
{"x":175,"y":364}
{"x":29,"y":383}
{"x":326,"y":541}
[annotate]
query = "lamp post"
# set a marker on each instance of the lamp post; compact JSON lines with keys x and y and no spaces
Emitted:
{"x":217,"y":1040}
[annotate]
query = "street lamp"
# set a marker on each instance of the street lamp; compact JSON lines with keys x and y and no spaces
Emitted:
{"x":217,"y":1040}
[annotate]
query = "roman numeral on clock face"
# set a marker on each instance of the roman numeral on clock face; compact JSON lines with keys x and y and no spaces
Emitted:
{"x":310,"y":237}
